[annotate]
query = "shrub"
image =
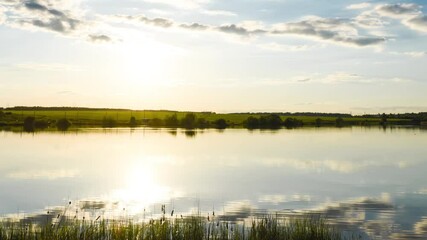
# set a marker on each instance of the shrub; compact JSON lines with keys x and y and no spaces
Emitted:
{"x":221,"y":123}
{"x":108,"y":122}
{"x":63,"y":124}
{"x":189,"y":121}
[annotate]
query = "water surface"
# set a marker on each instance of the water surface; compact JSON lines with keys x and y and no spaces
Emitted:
{"x":367,"y":179}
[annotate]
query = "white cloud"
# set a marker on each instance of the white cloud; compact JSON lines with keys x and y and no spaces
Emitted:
{"x":410,"y":15}
{"x":2,"y":16}
{"x":65,"y":18}
{"x":337,"y":30}
{"x":414,"y":54}
{"x":359,"y":6}
{"x":219,"y":13}
{"x":369,"y":19}
{"x":284,"y":47}
{"x":418,"y":23}
{"x":345,"y":77}
{"x":181,"y":4}
{"x":398,"y":11}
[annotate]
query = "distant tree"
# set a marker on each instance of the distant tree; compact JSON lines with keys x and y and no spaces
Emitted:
{"x":63,"y":124}
{"x":272,"y":121}
{"x":132,"y":121}
{"x":29,"y":124}
{"x":383,"y":119}
{"x":189,"y":121}
{"x":252,"y":122}
{"x":171,"y":121}
{"x":292,"y":122}
{"x":202,"y":123}
{"x":221,"y":123}
{"x":155,"y":122}
{"x":318,"y":122}
{"x":339,"y":122}
{"x":108,"y":122}
{"x":41,"y":124}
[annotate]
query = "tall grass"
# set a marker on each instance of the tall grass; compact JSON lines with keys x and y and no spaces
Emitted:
{"x":175,"y":228}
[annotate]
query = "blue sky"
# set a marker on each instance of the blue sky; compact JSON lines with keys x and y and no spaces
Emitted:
{"x":225,"y":56}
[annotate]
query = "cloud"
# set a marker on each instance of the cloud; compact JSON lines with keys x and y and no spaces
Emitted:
{"x":50,"y":15}
{"x":418,"y":23}
{"x":157,"y":22}
{"x":400,"y":10}
{"x":369,"y":19}
{"x":181,"y":4}
{"x":359,"y":6}
{"x":284,"y":47}
{"x":335,"y":30}
{"x":414,"y":54}
{"x":43,"y":14}
{"x":62,"y":17}
{"x":234,"y":29}
{"x":2,"y":15}
{"x":410,"y":15}
{"x":343,"y":78}
{"x":99,"y":38}
{"x":194,"y":26}
{"x":219,"y":13}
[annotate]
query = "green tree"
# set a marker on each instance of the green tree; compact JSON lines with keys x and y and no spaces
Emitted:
{"x":252,"y":122}
{"x":189,"y":121}
{"x":29,"y":124}
{"x":221,"y":123}
{"x":155,"y":122}
{"x":108,"y":122}
{"x":292,"y":122}
{"x":383,"y":119}
{"x":171,"y":121}
{"x":202,"y":123}
{"x":339,"y":122}
{"x":132,"y":121}
{"x":318,"y":122}
{"x":63,"y":124}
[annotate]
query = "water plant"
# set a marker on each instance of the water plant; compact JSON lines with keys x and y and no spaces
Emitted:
{"x":175,"y":228}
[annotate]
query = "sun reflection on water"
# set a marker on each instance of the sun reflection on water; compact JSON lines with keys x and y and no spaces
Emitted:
{"x":141,"y":189}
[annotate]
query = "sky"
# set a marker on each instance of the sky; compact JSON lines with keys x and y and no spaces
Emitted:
{"x":215,"y":55}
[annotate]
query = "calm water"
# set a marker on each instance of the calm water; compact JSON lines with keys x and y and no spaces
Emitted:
{"x":366,"y":179}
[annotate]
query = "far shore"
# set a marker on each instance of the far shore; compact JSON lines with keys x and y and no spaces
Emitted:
{"x":41,"y":118}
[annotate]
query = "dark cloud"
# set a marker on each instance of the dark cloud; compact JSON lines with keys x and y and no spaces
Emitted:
{"x":41,"y":14}
{"x":35,"y":6}
{"x":335,"y":30}
{"x":158,"y":22}
{"x":194,"y":26}
{"x":100,"y":38}
{"x":397,"y":10}
{"x":234,"y":29}
{"x":418,"y":23}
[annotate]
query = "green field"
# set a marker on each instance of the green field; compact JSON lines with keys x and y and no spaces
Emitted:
{"x":121,"y":118}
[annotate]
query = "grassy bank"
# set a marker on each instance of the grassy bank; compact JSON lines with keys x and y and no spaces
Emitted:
{"x":177,"y":228}
{"x":45,"y":117}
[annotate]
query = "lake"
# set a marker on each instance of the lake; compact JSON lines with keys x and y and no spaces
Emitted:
{"x":371,"y":180}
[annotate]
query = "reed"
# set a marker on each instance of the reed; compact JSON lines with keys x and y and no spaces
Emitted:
{"x":176,"y":228}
